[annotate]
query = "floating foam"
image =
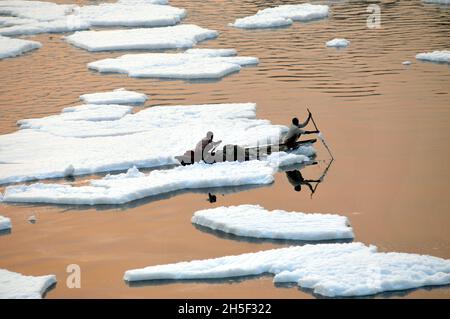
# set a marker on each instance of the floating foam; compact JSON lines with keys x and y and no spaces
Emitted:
{"x":331,"y":270}
{"x":193,"y":64}
{"x":5,"y":223}
{"x":133,"y":185}
{"x":338,"y":43}
{"x":10,"y":48}
{"x":435,"y":56}
{"x":17,"y":286}
{"x":282,"y":15}
{"x":35,"y":17}
{"x":255,"y":221}
{"x":118,"y":96}
{"x":175,"y":37}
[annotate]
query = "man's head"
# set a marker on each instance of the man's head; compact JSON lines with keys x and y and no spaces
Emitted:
{"x":298,"y":188}
{"x":210,"y":135}
{"x":295,"y":121}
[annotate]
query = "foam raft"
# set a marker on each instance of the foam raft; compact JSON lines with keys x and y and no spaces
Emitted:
{"x":332,"y":270}
{"x":17,"y":286}
{"x":118,"y":96}
{"x":175,"y":37}
{"x":10,"y":48}
{"x":35,"y":17}
{"x":189,"y":65}
{"x":435,"y":56}
{"x":283,"y":15}
{"x":254,"y":221}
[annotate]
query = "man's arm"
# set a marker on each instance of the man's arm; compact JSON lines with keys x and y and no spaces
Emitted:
{"x":306,"y":122}
{"x":311,"y":132}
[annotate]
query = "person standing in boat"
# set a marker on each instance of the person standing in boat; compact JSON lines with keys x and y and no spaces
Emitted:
{"x":204,"y":147}
{"x":295,"y":131}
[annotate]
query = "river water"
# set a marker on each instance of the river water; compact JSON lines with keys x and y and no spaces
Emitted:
{"x":387,"y":125}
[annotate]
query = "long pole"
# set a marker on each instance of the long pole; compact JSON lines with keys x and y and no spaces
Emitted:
{"x":320,"y":135}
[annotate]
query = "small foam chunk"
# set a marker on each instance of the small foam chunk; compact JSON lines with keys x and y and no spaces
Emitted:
{"x":118,"y":96}
{"x":338,"y":43}
{"x":5,"y":223}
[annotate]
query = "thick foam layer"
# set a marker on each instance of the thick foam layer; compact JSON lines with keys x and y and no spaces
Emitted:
{"x":255,"y":221}
{"x":176,"y":37}
{"x":193,"y":64}
{"x":328,"y":269}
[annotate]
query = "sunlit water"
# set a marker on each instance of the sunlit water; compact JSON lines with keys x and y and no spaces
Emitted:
{"x":387,"y":125}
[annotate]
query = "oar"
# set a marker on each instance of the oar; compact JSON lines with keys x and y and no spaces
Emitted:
{"x":320,"y":136}
{"x":323,"y":176}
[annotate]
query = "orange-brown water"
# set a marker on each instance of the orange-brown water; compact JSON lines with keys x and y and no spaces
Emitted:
{"x":387,"y":125}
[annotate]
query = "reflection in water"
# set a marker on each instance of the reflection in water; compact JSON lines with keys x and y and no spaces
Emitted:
{"x":229,"y":280}
{"x":296,"y":179}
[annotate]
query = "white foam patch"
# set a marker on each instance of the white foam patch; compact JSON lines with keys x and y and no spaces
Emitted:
{"x":197,"y":64}
{"x":338,"y":43}
{"x":5,"y":223}
{"x":17,"y":286}
{"x":35,"y":17}
{"x":255,"y":221}
{"x":35,"y":10}
{"x":435,"y":56}
{"x":67,"y":24}
{"x":10,"y":48}
{"x":328,"y":269}
{"x":175,"y":37}
{"x":282,"y":15}
{"x":133,"y":185}
{"x":130,"y":14}
{"x":76,"y":117}
{"x":149,"y":138}
{"x":118,"y":96}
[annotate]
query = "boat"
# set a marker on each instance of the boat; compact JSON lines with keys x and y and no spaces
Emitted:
{"x":232,"y":153}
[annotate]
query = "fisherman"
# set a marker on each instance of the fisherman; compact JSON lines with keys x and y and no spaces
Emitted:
{"x":204,"y":147}
{"x":295,"y":131}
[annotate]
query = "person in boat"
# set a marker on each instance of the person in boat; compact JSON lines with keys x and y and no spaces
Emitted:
{"x":295,"y":131}
{"x":296,"y":179}
{"x":204,"y":148}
